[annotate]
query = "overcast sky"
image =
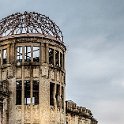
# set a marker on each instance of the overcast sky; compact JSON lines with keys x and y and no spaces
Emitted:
{"x":94,"y":35}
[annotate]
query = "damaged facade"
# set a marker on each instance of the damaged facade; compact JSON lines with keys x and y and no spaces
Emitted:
{"x":32,"y":73}
{"x":78,"y":114}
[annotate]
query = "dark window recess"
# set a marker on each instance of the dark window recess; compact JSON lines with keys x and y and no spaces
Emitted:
{"x":51,"y":56}
{"x":35,"y":99}
{"x":19,"y":54}
{"x":52,"y":85}
{"x":58,"y":95}
{"x":27,"y":54}
{"x":36,"y":54}
{"x":57,"y":58}
{"x":4,"y":56}
{"x":18,"y":92}
{"x":27,"y":92}
{"x":62,"y":97}
{"x":61,"y":60}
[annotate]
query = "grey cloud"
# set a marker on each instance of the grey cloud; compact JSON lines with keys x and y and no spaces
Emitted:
{"x":113,"y":113}
{"x":93,"y":32}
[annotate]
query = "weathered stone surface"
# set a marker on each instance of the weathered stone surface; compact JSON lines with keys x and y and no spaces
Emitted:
{"x":22,"y":66}
{"x":78,"y":114}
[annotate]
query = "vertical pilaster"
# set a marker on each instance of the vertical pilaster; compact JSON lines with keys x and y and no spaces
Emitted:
{"x":46,"y":53}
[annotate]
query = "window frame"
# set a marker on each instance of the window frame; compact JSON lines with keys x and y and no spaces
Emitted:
{"x":27,"y":92}
{"x":18,"y":54}
{"x":35,"y":93}
{"x":58,"y":96}
{"x":51,"y":56}
{"x":4,"y":56}
{"x":38,"y":58}
{"x":57,"y":58}
{"x":28,"y":55}
{"x":52,"y":95}
{"x":19,"y":92}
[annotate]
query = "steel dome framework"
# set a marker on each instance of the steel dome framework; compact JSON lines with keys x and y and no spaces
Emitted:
{"x":29,"y":22}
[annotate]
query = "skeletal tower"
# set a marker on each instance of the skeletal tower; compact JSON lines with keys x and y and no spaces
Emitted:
{"x":32,"y":70}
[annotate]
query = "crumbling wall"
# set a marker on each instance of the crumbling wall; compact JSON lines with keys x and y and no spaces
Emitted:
{"x":21,"y":69}
{"x":78,"y":114}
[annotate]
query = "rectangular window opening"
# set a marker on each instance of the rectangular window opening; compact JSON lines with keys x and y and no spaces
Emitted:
{"x":19,"y":54}
{"x":27,"y":92}
{"x":27,"y":54}
{"x":52,"y":85}
{"x":51,"y":56}
{"x":58,"y":95}
{"x":4,"y":56}
{"x":57,"y":58}
{"x":36,"y":54}
{"x":61,"y":60}
{"x":18,"y":92}
{"x":62,"y":97}
{"x":35,"y":99}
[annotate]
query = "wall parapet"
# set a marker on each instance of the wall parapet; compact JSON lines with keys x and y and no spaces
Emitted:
{"x":82,"y":112}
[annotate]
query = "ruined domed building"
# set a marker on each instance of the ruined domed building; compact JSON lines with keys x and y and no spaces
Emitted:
{"x":32,"y":73}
